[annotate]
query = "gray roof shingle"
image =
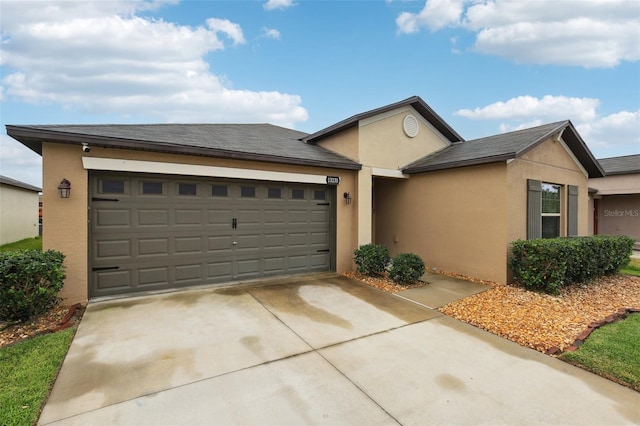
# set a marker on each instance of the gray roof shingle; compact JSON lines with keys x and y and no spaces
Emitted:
{"x":259,"y":142}
{"x":627,"y":164}
{"x":503,"y":147}
{"x":12,"y":182}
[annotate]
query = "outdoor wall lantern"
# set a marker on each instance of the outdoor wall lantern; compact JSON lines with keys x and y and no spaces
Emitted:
{"x":347,"y":197}
{"x":64,"y":189}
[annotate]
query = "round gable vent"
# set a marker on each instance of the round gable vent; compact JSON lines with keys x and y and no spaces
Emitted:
{"x":410,"y":125}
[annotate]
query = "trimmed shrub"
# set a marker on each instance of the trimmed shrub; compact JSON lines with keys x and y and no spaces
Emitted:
{"x":29,"y":283}
{"x":406,"y":268}
{"x":371,"y":259}
{"x":548,"y":264}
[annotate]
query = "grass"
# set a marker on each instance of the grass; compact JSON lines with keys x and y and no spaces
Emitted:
{"x":26,"y":244}
{"x":28,"y":370}
{"x":612,"y":351}
{"x":633,"y":268}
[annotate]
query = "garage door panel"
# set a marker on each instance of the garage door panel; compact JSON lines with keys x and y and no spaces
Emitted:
{"x":112,"y":218}
{"x":188,"y":236}
{"x":189,"y":273}
{"x":275,"y":240}
{"x":153,"y":276}
{"x":248,"y":267}
{"x":297,"y":216}
{"x":153,"y":246}
{"x":113,"y":280}
{"x":188,"y":245}
{"x":106,"y":250}
{"x":219,"y":243}
{"x":159,"y":217}
{"x":189,"y":217}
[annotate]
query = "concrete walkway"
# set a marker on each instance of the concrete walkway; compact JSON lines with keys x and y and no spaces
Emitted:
{"x":441,"y":290}
{"x":312,"y":350}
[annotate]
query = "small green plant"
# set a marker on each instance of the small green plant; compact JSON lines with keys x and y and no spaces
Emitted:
{"x":406,"y":268}
{"x":29,"y":283}
{"x":371,"y":259}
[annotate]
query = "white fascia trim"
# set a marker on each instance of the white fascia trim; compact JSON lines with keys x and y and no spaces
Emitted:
{"x":391,"y":173}
{"x":119,"y":165}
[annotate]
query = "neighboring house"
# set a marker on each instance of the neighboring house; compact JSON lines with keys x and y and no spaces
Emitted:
{"x":18,"y":210}
{"x":615,"y":198}
{"x":176,"y":205}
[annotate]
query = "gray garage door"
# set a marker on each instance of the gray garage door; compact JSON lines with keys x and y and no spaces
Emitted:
{"x":153,"y":232}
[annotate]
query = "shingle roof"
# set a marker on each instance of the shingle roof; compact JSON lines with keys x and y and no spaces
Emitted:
{"x":415,"y":101}
{"x":504,"y":147}
{"x":259,"y":142}
{"x":627,"y":164}
{"x":12,"y":182}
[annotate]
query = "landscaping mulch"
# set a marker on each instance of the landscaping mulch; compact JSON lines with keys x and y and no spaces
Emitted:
{"x":56,"y":319}
{"x":539,"y":321}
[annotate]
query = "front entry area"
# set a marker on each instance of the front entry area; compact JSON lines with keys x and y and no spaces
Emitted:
{"x":156,"y":232}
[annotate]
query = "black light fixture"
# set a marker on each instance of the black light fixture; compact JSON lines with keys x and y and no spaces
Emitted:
{"x":347,"y":197}
{"x":64,"y":189}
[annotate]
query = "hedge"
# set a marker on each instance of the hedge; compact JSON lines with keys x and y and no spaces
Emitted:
{"x":29,"y":283}
{"x":406,"y":268}
{"x":549,"y":264}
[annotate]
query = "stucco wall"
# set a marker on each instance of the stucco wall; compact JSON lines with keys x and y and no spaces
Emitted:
{"x":18,"y":214}
{"x":454,"y":219}
{"x":383,"y":142}
{"x":66,"y":226}
{"x":344,"y":143}
{"x":548,"y":162}
{"x":619,"y":215}
{"x":617,"y":184}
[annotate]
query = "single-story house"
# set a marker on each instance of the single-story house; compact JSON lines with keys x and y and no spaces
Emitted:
{"x":18,"y":210}
{"x":615,"y":198}
{"x":164,"y":206}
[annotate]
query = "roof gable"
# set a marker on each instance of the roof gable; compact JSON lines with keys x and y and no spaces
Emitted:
{"x":415,"y":101}
{"x":257,"y":142}
{"x":506,"y":146}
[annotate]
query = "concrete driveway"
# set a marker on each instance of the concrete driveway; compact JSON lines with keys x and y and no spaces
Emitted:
{"x":314,"y":350}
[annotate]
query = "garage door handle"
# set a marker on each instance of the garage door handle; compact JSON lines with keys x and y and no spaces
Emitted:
{"x":105,"y":199}
{"x":323,"y":251}
{"x":323,"y":204}
{"x":234,"y":223}
{"x":105,"y":268}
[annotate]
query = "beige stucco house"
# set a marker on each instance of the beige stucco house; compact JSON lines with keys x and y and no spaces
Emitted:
{"x":18,"y":210}
{"x":615,"y":198}
{"x":156,"y":207}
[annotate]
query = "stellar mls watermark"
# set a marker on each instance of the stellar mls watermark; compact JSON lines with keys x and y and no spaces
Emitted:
{"x":622,"y":213}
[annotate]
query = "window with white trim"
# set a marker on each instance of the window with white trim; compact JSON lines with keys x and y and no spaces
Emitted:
{"x":550,"y":210}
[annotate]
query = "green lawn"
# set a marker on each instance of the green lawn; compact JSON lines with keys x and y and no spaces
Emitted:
{"x":26,"y":244}
{"x":612,"y":351}
{"x":28,"y":370}
{"x":633,"y":268}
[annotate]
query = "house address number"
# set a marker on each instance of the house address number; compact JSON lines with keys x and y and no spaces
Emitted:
{"x":333,"y":180}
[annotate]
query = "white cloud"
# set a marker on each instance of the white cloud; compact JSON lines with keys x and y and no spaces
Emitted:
{"x":233,"y":31}
{"x":548,"y":107}
{"x":103,"y":58}
{"x":19,"y":162}
{"x":615,"y":131}
{"x":588,"y":33}
{"x":278,"y":4}
{"x":607,"y":136}
{"x":270,"y":33}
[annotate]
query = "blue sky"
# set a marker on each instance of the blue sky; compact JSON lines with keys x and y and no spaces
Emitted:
{"x":485,"y":66}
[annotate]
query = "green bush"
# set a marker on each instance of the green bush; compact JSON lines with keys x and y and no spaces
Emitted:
{"x":371,"y":259}
{"x":548,"y":264}
{"x":406,"y":268}
{"x":29,"y":283}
